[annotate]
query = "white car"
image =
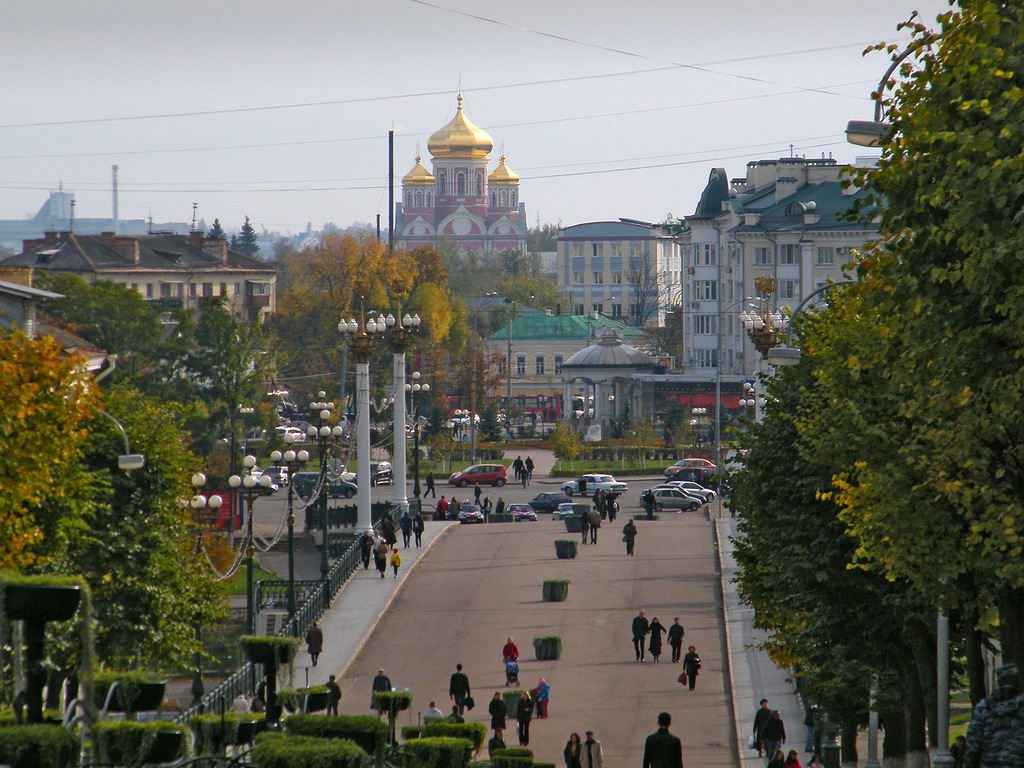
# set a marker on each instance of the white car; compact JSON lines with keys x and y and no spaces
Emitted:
{"x":283,"y":430}
{"x":591,"y":482}
{"x":694,"y":489}
{"x":564,"y":510}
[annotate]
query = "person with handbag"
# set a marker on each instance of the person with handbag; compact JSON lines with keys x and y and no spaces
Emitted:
{"x":691,"y":667}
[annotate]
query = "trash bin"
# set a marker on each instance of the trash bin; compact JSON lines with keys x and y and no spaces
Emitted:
{"x":830,"y":748}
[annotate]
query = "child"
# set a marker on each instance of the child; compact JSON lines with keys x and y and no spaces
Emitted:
{"x":396,"y":561}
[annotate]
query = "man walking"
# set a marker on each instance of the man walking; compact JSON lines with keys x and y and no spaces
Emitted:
{"x":381,"y":684}
{"x":662,"y":749}
{"x":773,"y":735}
{"x":584,"y":527}
{"x":458,"y":689}
{"x":406,"y":525}
{"x":417,"y":529}
{"x":314,"y":642}
{"x":762,"y":716}
{"x":590,"y":754}
{"x":333,"y":696}
{"x":675,"y":639}
{"x":640,"y":629}
{"x":629,"y":536}
{"x":529,"y":469}
{"x":496,"y":742}
{"x":430,"y":486}
{"x":595,"y":523}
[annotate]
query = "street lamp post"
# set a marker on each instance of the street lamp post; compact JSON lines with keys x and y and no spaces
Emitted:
{"x":249,"y":487}
{"x":200,"y":504}
{"x":293,"y":460}
{"x":363,"y":337}
{"x":323,"y":434}
{"x":415,"y":389}
{"x":762,"y":322}
{"x":399,"y":335}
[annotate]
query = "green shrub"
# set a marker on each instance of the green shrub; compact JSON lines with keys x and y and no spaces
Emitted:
{"x":215,"y":732}
{"x":474,"y":732}
{"x":128,"y":742}
{"x":368,"y":732}
{"x":438,"y":752}
{"x":292,"y":700}
{"x":38,"y":746}
{"x":136,"y":691}
{"x":8,"y":718}
{"x":279,"y":750}
{"x":261,"y":648}
{"x":410,"y":732}
{"x":547,"y":648}
{"x":513,"y":757}
{"x":392,"y":701}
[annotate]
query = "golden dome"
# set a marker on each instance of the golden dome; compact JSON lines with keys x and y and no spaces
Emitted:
{"x":418,"y":176}
{"x":460,"y":138}
{"x":502,"y":174}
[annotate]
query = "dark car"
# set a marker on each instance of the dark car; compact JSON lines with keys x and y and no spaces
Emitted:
{"x":381,"y":473}
{"x":470,"y":513}
{"x":304,"y":484}
{"x":548,"y":502}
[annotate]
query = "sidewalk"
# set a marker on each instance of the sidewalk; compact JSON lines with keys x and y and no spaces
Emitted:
{"x":753,"y":676}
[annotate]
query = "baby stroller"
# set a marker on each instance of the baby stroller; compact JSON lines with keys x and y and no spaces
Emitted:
{"x":511,"y":672}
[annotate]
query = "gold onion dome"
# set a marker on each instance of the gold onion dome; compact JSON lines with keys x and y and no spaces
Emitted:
{"x":502,"y":174}
{"x":460,"y":138}
{"x":418,"y":175}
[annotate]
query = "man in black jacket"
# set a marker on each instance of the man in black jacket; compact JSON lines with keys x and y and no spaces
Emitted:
{"x":640,"y":628}
{"x":675,"y":639}
{"x":662,"y":749}
{"x":762,"y":716}
{"x":458,"y":689}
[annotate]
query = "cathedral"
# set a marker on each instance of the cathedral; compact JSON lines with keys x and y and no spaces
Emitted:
{"x":460,"y":202}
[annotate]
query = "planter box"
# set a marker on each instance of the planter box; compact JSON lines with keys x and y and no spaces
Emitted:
{"x":166,"y":748}
{"x":40,"y":602}
{"x":572,"y":524}
{"x":136,"y":697}
{"x":547,"y":648}
{"x":643,"y":516}
{"x":555,"y":591}
{"x":317,"y":702}
{"x":264,"y":652}
{"x":502,"y":518}
{"x":565,"y":550}
{"x":511,"y":699}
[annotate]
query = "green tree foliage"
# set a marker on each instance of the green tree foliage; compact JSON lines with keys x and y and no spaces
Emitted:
{"x":246,"y":241}
{"x":566,"y":443}
{"x":217,"y":231}
{"x":542,"y":239}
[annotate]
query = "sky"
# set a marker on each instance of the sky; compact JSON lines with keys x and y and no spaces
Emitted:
{"x":281,"y":111}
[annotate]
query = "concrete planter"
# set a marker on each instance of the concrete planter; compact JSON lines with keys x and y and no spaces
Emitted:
{"x":547,"y":648}
{"x":565,"y":549}
{"x":555,"y":591}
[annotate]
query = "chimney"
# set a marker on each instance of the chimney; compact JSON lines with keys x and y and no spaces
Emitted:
{"x":217,"y":247}
{"x":17,"y":274}
{"x":196,"y":239}
{"x":50,"y":235}
{"x":125,"y":246}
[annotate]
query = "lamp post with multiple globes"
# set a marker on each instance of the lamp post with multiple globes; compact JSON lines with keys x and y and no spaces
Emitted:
{"x":200,"y":505}
{"x":249,"y":487}
{"x":293,"y":460}
{"x":414,"y":389}
{"x":399,"y":334}
{"x":323,"y":435}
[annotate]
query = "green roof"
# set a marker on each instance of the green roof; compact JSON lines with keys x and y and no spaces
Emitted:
{"x":550,"y":327}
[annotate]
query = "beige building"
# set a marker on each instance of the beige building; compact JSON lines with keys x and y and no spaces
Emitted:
{"x":170,"y":271}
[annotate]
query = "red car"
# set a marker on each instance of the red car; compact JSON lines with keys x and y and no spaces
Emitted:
{"x":696,"y":469}
{"x":480,"y":474}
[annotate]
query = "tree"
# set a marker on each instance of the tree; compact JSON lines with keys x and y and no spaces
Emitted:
{"x":566,"y":443}
{"x":644,"y":289}
{"x":246,"y":242}
{"x":542,"y":239}
{"x":217,"y":231}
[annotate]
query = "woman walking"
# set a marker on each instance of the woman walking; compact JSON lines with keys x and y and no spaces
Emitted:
{"x":498,"y":711}
{"x":572,"y":751}
{"x":656,"y":629}
{"x":691,"y":666}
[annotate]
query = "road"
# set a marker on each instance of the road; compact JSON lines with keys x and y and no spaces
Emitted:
{"x":481,"y":584}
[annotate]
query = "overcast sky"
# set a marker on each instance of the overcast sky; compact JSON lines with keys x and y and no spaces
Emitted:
{"x":280,"y":110}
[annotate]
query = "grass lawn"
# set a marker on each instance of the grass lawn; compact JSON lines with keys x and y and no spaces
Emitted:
{"x":624,"y":466}
{"x":237,"y":586}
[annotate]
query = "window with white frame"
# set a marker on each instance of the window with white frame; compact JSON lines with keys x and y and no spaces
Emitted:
{"x":558,"y":363}
{"x":616,"y":250}
{"x":616,"y":278}
{"x":789,"y":254}
{"x":705,"y":290}
{"x":705,"y":324}
{"x":636,"y":249}
{"x":787,"y":289}
{"x":520,"y":365}
{"x":597,"y":309}
{"x":616,"y":310}
{"x":599,"y":278}
{"x":578,"y":278}
{"x":708,"y":255}
{"x":704,"y":358}
{"x":826,"y":256}
{"x":762,"y":256}
{"x":502,"y":365}
{"x":596,"y":249}
{"x":538,"y":365}
{"x":577,"y":250}
{"x":579,"y":309}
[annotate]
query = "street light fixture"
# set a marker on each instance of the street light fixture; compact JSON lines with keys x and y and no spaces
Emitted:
{"x":415,"y":389}
{"x":323,"y":434}
{"x":200,"y":504}
{"x":362,"y":336}
{"x":874,"y":133}
{"x":399,"y":334}
{"x":761,"y":321}
{"x":293,"y":460}
{"x":249,"y":487}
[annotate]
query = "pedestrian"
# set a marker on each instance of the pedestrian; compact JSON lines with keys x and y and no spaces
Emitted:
{"x":956,"y":749}
{"x":417,"y":529}
{"x":629,"y":536}
{"x":433,"y":714}
{"x":543,"y":693}
{"x":778,"y":760}
{"x":240,"y":704}
{"x":430,"y":486}
{"x":611,"y":506}
{"x":595,"y":522}
{"x":994,"y":734}
{"x":584,"y":527}
{"x":511,"y":651}
{"x":815,"y":761}
{"x":793,"y":759}
{"x":522,"y":476}
{"x":406,"y":525}
{"x":675,"y":639}
{"x":518,"y":467}
{"x":762,"y":716}
{"x":380,"y":556}
{"x":773,"y":736}
{"x":366,"y":547}
{"x":396,"y":561}
{"x":333,"y":696}
{"x":458,"y":688}
{"x":499,"y":508}
{"x":387,"y":530}
{"x":441,"y":510}
{"x":529,"y":465}
{"x":454,"y":508}
{"x":656,"y":630}
{"x":380,"y":684}
{"x":809,"y":728}
{"x":476,"y":495}
{"x":455,"y":717}
{"x":486,"y":507}
{"x":498,"y":712}
{"x":524,"y":714}
{"x":691,"y":666}
{"x":662,"y":749}
{"x":496,"y":743}
{"x":648,"y":501}
{"x":640,"y":627}
{"x":599,"y":502}
{"x":314,"y":642}
{"x":572,"y":751}
{"x":590,"y":753}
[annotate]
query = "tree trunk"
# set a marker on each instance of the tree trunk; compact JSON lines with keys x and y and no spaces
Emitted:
{"x":71,"y":692}
{"x":894,"y":738}
{"x":53,"y":685}
{"x":975,"y":661}
{"x":922,"y":645}
{"x":848,"y":746}
{"x":916,"y":709}
{"x":1011,"y":625}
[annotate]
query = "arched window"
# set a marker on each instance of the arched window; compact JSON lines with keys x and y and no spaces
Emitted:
{"x":419,"y":198}
{"x":460,"y":184}
{"x":442,"y":182}
{"x":494,"y":198}
{"x":408,"y":199}
{"x":430,"y":199}
{"x":480,"y":184}
{"x":504,"y":198}
{"x":512,"y":198}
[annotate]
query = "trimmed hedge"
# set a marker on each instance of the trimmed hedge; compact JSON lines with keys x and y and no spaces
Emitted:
{"x":279,"y":750}
{"x":547,"y":648}
{"x":213,"y":732}
{"x":8,"y":718}
{"x":474,"y":732}
{"x":293,"y":700}
{"x":262,"y":648}
{"x":438,"y":752}
{"x":128,"y":742}
{"x":410,"y":732}
{"x":38,"y":746}
{"x":392,"y":701}
{"x":513,"y":757}
{"x":368,"y":732}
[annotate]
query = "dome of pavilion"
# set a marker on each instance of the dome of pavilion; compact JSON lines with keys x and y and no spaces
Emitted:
{"x":609,"y":352}
{"x":418,"y":176}
{"x":502,"y":174}
{"x":460,"y":138}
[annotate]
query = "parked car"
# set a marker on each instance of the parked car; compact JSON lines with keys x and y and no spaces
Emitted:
{"x":304,"y":484}
{"x":548,"y":502}
{"x":381,"y":473}
{"x":671,"y":485}
{"x":691,"y":469}
{"x":694,"y":489}
{"x":470,"y":513}
{"x":283,"y":430}
{"x":277,"y":475}
{"x":521,"y":512}
{"x":480,"y":474}
{"x":673,"y":498}
{"x":563,"y":511}
{"x":264,"y":489}
{"x":587,"y":484}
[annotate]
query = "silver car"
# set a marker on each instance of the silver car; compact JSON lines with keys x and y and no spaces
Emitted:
{"x":673,"y":498}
